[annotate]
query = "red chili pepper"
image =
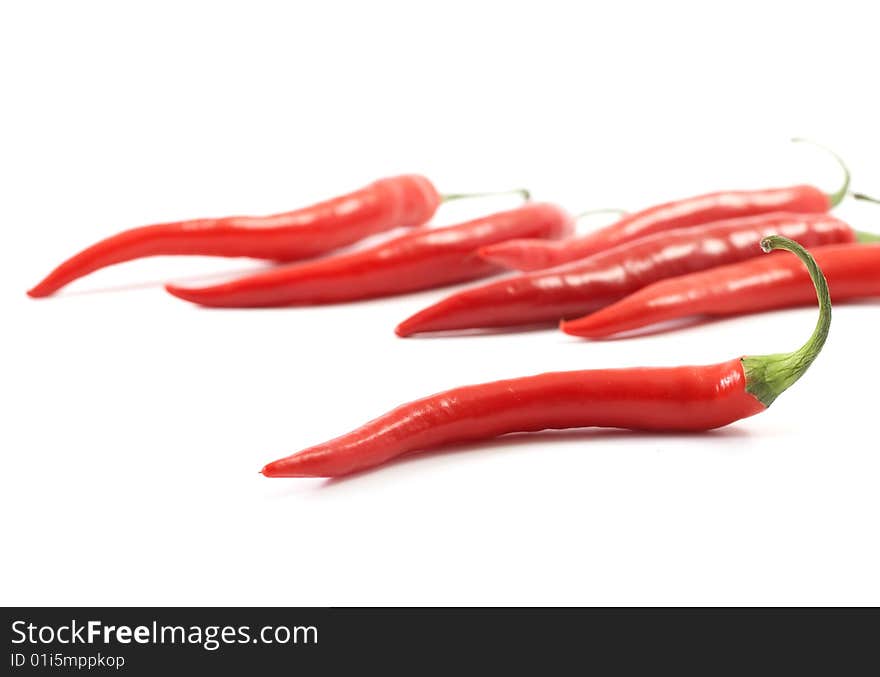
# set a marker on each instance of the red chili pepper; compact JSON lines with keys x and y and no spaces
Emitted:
{"x":853,"y":272}
{"x":420,"y":259}
{"x":534,"y":255}
{"x":571,"y":290}
{"x":660,"y":399}
{"x":408,"y":200}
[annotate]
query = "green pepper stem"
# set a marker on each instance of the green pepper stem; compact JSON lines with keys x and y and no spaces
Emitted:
{"x":607,"y":210}
{"x":522,"y":192}
{"x":865,"y":238}
{"x":866,"y":198}
{"x":768,"y":376}
{"x":837,"y":196}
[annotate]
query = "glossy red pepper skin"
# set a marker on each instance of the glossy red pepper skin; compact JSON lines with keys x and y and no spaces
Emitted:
{"x":407,"y":200}
{"x":573,"y":289}
{"x":534,"y":255}
{"x":421,"y":259}
{"x":658,"y":399}
{"x":852,"y":271}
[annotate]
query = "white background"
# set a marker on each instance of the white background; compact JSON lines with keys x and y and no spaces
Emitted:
{"x":134,"y":424}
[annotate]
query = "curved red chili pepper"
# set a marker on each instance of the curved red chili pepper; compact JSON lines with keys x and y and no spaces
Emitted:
{"x":534,"y":255}
{"x":853,"y":272}
{"x":407,"y":200}
{"x":571,"y":290}
{"x":661,"y":399}
{"x":675,"y":398}
{"x":420,"y":259}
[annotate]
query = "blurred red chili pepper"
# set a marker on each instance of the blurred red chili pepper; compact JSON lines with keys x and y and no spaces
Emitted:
{"x":421,"y":259}
{"x":547,"y":296}
{"x":408,"y":200}
{"x":534,"y":255}
{"x":852,"y":271}
{"x":661,"y":399}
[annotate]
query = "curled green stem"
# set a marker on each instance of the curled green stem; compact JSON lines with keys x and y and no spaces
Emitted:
{"x":522,"y":192}
{"x":837,"y":196}
{"x":768,"y":376}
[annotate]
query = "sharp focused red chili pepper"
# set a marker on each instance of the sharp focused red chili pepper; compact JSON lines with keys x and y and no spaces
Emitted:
{"x":534,"y":255}
{"x":420,"y":259}
{"x":571,"y":290}
{"x":661,"y":399}
{"x":852,"y":271}
{"x":408,"y":200}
